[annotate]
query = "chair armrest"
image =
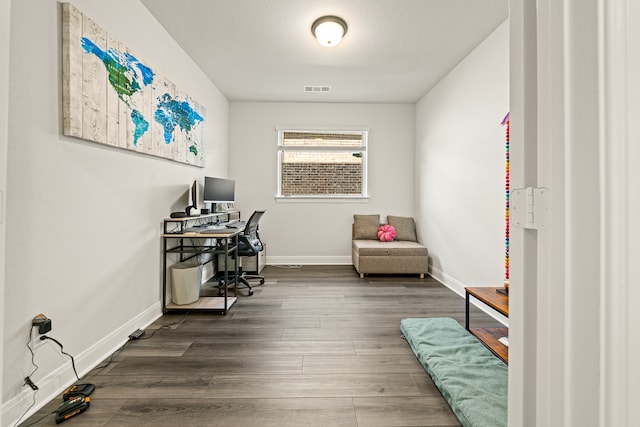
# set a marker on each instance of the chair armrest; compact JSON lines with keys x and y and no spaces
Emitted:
{"x":251,"y":248}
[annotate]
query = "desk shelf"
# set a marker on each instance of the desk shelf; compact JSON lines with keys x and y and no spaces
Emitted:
{"x":205,"y":303}
{"x":178,"y":225}
{"x":490,"y":336}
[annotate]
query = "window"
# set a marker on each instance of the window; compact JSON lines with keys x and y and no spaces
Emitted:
{"x":322,"y":164}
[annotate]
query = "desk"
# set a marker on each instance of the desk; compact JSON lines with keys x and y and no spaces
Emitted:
{"x":189,"y":245}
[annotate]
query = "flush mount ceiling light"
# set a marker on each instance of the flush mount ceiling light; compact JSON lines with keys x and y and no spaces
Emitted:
{"x":329,"y":30}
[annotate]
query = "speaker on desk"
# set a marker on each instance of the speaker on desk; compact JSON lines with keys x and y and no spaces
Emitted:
{"x":204,"y":211}
{"x":178,"y":215}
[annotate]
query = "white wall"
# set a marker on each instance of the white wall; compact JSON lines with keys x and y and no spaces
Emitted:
{"x":319,"y":233}
{"x":5,"y":8}
{"x":460,"y":167}
{"x":84,"y":220}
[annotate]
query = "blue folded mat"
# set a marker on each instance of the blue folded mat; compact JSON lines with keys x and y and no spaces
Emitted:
{"x":471,"y":379}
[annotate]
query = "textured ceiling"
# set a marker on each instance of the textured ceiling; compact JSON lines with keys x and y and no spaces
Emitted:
{"x":263,"y":50}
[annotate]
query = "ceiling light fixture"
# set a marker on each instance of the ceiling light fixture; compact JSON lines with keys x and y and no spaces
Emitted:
{"x":329,"y":30}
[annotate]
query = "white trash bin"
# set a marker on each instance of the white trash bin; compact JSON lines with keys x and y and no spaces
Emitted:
{"x":186,"y":278}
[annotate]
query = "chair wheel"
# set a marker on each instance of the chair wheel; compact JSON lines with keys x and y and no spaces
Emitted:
{"x":262,"y":281}
{"x":250,"y":292}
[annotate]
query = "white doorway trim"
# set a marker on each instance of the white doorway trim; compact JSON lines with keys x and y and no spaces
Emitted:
{"x":575,"y":127}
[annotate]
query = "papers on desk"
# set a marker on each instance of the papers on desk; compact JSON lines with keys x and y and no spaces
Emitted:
{"x":504,"y":340}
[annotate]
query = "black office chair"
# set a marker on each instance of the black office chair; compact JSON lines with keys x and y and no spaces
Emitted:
{"x":249,"y":245}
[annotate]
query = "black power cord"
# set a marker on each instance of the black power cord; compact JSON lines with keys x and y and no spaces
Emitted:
{"x":108,"y":361}
{"x":73,"y":362}
{"x":27,"y":379}
{"x":30,"y":383}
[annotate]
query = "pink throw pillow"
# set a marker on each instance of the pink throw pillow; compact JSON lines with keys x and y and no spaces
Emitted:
{"x":386,"y":233}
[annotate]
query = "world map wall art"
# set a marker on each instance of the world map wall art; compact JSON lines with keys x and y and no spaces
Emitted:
{"x":111,"y":97}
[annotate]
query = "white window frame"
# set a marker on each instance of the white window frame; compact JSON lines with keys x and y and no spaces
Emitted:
{"x":364,"y":132}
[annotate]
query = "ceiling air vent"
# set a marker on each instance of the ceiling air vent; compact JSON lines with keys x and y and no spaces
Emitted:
{"x":317,"y":89}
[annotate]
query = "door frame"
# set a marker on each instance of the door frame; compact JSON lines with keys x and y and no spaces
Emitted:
{"x":575,"y":85}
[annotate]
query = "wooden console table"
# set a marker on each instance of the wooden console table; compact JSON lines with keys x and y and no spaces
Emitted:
{"x":490,"y":336}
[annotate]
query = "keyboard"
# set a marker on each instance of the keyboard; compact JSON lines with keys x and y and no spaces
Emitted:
{"x":205,"y":228}
{"x":236,"y":224}
{"x":216,"y":230}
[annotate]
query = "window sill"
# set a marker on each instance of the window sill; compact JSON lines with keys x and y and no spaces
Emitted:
{"x":321,"y":199}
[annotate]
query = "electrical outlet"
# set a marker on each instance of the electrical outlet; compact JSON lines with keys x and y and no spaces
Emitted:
{"x":40,"y":325}
{"x":35,"y":341}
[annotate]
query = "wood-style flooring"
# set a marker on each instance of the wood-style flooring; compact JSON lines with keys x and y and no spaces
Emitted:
{"x":314,"y":346}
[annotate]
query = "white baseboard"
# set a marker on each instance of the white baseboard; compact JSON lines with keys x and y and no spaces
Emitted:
{"x":451,"y":283}
{"x":58,"y":380}
{"x":309,"y":260}
{"x":458,"y":287}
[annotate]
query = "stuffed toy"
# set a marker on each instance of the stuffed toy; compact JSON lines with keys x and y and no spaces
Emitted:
{"x":386,"y":233}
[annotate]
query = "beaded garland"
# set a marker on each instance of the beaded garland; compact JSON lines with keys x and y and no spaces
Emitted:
{"x":507,"y":187}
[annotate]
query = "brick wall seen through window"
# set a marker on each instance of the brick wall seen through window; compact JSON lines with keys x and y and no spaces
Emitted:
{"x":322,"y":164}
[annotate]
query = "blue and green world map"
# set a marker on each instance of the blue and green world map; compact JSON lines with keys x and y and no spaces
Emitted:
{"x":129,"y":77}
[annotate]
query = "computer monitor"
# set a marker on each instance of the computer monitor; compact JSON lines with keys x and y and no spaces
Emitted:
{"x":218,"y":190}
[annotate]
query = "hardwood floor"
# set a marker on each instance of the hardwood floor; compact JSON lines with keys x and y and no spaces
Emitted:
{"x":314,"y":346}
